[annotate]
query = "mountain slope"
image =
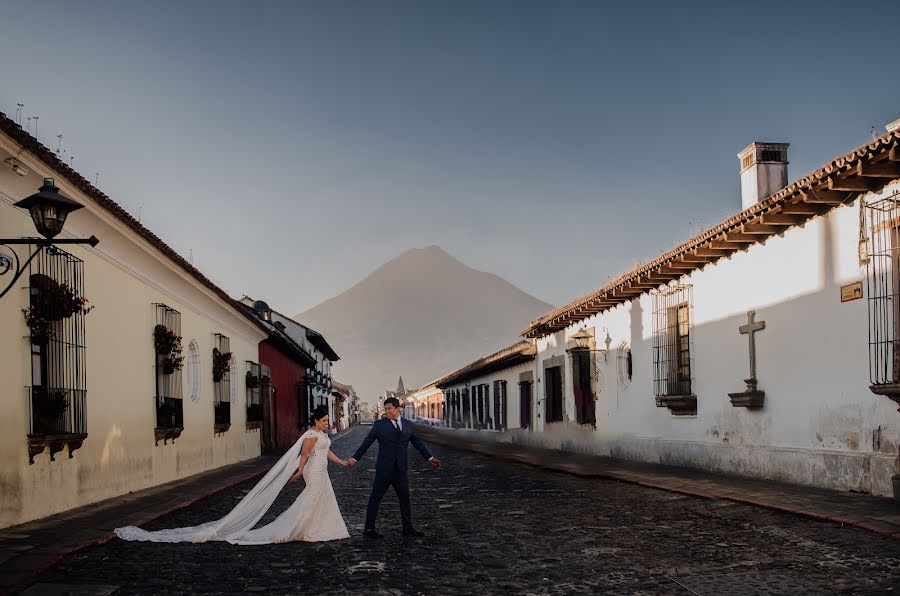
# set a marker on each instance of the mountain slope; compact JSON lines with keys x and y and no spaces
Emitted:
{"x":419,"y":315}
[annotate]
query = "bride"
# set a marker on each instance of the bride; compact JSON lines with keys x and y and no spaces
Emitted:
{"x":313,"y":517}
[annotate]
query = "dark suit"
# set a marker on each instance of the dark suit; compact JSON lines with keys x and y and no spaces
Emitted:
{"x":390,"y":468}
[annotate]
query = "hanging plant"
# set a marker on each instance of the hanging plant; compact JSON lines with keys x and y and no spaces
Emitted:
{"x":51,"y":404}
{"x":221,"y":364}
{"x":58,"y":301}
{"x":252,"y":381}
{"x":41,"y":327}
{"x":168,"y":348}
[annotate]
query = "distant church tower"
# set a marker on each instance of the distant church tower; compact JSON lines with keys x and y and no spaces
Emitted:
{"x":400,"y":388}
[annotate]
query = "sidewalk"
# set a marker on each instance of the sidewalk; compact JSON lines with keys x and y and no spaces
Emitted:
{"x":29,"y":548}
{"x":864,"y":511}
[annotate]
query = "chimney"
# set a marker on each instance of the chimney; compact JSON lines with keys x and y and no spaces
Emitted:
{"x":763,"y":171}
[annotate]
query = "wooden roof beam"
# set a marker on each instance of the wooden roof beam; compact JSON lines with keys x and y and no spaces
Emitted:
{"x":760,"y":228}
{"x":802,"y":209}
{"x":825,"y":197}
{"x":730,"y":246}
{"x":852,"y":184}
{"x":643,"y":285}
{"x":879,"y":170}
{"x":782,"y":219}
{"x":704,"y":251}
{"x":689,"y":258}
{"x":654,"y":279}
{"x":731,"y":237}
{"x":672,"y":272}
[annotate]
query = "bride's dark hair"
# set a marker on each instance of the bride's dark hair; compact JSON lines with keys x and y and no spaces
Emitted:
{"x":319,"y":413}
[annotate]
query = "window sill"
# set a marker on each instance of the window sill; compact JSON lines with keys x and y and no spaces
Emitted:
{"x":166,"y":434}
{"x":219,"y":429}
{"x":253,"y":425}
{"x":679,"y":405}
{"x":889,"y":390}
{"x":56,"y":443}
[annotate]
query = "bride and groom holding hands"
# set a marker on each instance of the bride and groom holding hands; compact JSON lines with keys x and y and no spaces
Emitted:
{"x":314,"y":516}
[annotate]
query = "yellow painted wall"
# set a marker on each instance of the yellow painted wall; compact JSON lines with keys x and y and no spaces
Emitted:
{"x":124,"y":277}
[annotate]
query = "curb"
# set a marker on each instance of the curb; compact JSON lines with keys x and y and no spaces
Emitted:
{"x":485,"y":449}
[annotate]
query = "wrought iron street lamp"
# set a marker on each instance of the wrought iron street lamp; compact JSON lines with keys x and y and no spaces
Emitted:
{"x":49,"y":210}
{"x":582,"y":340}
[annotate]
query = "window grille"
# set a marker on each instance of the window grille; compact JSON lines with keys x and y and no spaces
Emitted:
{"x":525,"y":404}
{"x":169,"y":411}
{"x":254,"y":392}
{"x":585,"y":410}
{"x":58,"y":392}
{"x":554,"y":395}
{"x":882,"y":224}
{"x":672,"y":341}
{"x":222,"y":367}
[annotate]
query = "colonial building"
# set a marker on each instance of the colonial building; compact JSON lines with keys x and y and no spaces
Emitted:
{"x":317,"y":384}
{"x":428,"y":402}
{"x":477,"y":395}
{"x":346,"y":405}
{"x":278,"y":382}
{"x":765,"y":346}
{"x":123,"y":365}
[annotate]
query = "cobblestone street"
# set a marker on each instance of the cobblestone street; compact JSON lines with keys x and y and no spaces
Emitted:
{"x":495,"y":527}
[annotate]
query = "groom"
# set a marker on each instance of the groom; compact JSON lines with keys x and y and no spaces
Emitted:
{"x":394,"y":434}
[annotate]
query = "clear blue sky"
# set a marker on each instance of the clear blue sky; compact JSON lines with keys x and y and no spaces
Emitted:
{"x":295,"y":146}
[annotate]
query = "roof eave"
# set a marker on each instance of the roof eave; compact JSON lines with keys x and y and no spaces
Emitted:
{"x":864,"y":170}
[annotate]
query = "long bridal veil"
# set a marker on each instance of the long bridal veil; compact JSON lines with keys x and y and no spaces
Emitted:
{"x":242,"y":518}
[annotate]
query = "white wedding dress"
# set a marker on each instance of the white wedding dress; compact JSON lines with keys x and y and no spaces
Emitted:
{"x":313,"y":517}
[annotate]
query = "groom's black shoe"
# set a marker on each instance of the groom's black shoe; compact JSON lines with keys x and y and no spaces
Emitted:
{"x":372,"y":534}
{"x":413,"y":532}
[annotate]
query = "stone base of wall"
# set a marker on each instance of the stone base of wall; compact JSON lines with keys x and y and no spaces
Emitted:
{"x":872,"y":473}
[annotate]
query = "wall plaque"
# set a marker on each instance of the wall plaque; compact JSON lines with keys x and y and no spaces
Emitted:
{"x":852,"y":291}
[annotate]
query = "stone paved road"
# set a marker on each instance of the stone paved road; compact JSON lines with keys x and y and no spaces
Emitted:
{"x":509,"y":528}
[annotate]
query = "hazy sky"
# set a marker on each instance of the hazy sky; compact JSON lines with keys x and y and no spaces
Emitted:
{"x":295,"y":146}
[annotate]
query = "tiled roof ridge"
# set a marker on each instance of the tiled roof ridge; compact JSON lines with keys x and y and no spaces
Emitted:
{"x":840,"y":164}
{"x":39,"y":150}
{"x":520,"y":347}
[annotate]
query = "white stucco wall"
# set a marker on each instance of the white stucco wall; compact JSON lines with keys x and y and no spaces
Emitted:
{"x":821,"y":425}
{"x":124,"y":277}
{"x":511,"y":376}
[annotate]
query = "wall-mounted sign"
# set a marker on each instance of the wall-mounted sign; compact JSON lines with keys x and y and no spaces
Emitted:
{"x":851,"y":292}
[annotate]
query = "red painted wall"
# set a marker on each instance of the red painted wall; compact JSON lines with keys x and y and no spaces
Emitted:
{"x":286,"y":373}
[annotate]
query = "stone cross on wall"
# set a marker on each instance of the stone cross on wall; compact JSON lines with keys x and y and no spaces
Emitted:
{"x":750,"y":329}
{"x":751,"y":397}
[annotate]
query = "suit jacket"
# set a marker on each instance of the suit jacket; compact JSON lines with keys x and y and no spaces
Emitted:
{"x":392,"y":446}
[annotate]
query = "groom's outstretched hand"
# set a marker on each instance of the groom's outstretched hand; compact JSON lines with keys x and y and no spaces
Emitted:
{"x":351,"y":462}
{"x":435,"y":463}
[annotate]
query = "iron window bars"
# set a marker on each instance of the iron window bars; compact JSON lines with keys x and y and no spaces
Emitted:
{"x":222,"y":382}
{"x":169,"y":406}
{"x":583,"y":371}
{"x":254,"y":392}
{"x":880,"y":250}
{"x":672,"y":341}
{"x":57,"y":396}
